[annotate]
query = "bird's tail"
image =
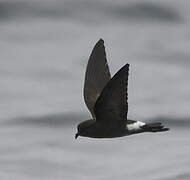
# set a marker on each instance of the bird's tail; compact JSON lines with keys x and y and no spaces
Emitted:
{"x":154,"y":127}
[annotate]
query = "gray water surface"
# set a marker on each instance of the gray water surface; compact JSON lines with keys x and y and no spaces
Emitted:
{"x":44,"y":49}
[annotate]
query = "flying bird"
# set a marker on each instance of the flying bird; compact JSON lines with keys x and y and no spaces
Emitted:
{"x":107,"y":100}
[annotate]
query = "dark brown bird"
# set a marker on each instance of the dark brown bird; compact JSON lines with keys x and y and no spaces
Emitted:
{"x":106,"y":99}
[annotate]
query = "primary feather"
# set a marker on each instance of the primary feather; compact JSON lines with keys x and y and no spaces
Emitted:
{"x":97,"y":75}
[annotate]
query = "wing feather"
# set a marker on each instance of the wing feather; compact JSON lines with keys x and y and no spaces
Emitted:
{"x":112,"y":106}
{"x":97,"y":75}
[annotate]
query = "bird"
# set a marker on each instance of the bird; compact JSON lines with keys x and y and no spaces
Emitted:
{"x":107,"y":100}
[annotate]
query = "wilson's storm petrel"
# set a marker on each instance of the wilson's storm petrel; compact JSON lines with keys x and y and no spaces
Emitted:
{"x":106,"y":99}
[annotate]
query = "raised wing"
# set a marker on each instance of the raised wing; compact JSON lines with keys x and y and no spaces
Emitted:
{"x":112,"y":107}
{"x":97,"y":75}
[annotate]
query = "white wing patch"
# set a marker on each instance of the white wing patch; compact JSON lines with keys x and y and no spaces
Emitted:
{"x":135,"y":126}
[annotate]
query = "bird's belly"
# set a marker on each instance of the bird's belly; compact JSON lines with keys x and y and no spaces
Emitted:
{"x":110,"y":133}
{"x":135,"y":126}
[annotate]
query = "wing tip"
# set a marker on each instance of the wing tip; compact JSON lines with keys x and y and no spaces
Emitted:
{"x":101,"y":40}
{"x":99,"y":45}
{"x":126,"y":66}
{"x":123,"y":69}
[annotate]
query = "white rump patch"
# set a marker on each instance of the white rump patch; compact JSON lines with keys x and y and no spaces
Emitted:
{"x":135,"y":126}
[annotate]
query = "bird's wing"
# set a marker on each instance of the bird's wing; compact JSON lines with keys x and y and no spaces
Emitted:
{"x":111,"y":106}
{"x":97,"y":75}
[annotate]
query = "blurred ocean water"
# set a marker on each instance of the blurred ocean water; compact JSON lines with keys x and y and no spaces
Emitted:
{"x":44,"y":48}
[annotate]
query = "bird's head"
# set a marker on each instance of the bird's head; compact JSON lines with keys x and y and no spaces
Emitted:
{"x":85,"y":128}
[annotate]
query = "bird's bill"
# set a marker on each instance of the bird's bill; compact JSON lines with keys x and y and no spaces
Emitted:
{"x":76,"y":135}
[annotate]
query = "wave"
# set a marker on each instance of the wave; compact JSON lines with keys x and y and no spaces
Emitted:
{"x":84,"y":10}
{"x":73,"y":118}
{"x":148,"y":12}
{"x":51,"y":120}
{"x":181,"y":176}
